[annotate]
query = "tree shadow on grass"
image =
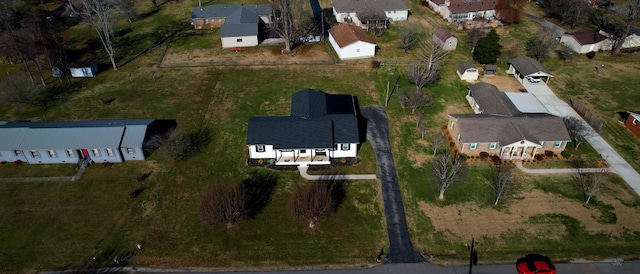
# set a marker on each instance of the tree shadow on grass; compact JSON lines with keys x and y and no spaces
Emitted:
{"x":338,"y":191}
{"x":258,"y":187}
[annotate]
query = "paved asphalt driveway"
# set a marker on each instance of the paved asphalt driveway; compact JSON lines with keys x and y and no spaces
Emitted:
{"x":559,"y":108}
{"x":552,"y":29}
{"x":400,"y":248}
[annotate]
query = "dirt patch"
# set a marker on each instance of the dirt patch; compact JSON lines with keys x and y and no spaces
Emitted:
{"x":504,"y":82}
{"x":462,"y":221}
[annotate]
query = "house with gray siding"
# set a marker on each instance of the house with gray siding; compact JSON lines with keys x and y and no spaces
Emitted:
{"x":74,"y":142}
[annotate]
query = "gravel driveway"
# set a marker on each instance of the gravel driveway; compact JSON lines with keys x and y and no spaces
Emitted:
{"x":401,"y":249}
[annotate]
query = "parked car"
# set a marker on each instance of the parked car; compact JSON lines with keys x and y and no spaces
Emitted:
{"x":310,"y":39}
{"x":535,"y":263}
{"x":533,"y":80}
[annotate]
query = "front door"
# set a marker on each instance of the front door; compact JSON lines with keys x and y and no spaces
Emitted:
{"x":85,"y":153}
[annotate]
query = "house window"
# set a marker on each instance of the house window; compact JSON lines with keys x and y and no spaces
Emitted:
{"x":109,"y":152}
{"x":70,"y":153}
{"x":239,"y":40}
{"x":557,"y":144}
{"x":259,"y":148}
{"x":493,"y":145}
{"x":18,"y":153}
{"x":52,"y":153}
{"x":96,"y":152}
{"x":0,"y":154}
{"x":635,"y":121}
{"x":345,"y":146}
{"x":130,"y":150}
{"x":35,"y":154}
{"x":458,"y":138}
{"x":357,"y":50}
{"x":303,"y":151}
{"x":473,"y":146}
{"x":452,"y":125}
{"x":542,"y":143}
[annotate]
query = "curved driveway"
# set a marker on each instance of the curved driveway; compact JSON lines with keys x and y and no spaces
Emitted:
{"x":401,"y":249}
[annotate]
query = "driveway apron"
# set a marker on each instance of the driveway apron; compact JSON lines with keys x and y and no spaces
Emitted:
{"x":401,"y":249}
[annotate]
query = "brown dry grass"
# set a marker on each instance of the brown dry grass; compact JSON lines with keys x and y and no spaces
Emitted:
{"x":503,"y":82}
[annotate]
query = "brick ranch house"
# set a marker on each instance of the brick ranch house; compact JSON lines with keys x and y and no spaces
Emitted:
{"x":511,"y":125}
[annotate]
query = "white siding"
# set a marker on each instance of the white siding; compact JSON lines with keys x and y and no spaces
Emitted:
{"x":397,"y":15}
{"x":469,"y":75}
{"x":572,"y":43}
{"x":132,"y":153}
{"x":339,"y":153}
{"x":245,"y":41}
{"x":356,"y":50}
{"x":269,"y":152}
{"x":10,"y":156}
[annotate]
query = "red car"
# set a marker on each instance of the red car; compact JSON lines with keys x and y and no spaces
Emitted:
{"x":535,"y":263}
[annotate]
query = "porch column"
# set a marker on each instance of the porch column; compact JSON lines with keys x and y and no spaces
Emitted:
{"x":501,"y":151}
{"x":535,"y":149}
{"x":524,"y":152}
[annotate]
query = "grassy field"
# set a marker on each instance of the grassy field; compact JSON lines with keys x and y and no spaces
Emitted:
{"x":45,"y":226}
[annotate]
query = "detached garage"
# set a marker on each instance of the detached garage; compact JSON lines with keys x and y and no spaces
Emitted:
{"x":84,"y":70}
{"x":351,"y":42}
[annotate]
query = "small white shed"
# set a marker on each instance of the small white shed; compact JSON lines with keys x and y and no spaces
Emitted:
{"x":351,"y":42}
{"x":467,"y":71}
{"x":84,"y":70}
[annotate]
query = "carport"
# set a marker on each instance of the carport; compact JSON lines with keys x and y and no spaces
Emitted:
{"x":523,"y":66}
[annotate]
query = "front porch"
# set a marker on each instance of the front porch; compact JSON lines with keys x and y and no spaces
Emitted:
{"x":521,"y":151}
{"x":302,"y":156}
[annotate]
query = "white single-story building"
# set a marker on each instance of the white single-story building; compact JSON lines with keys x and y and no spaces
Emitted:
{"x":351,"y":42}
{"x":467,"y":71}
{"x":320,"y":127}
{"x":522,"y":67}
{"x":584,"y":40}
{"x":444,"y":39}
{"x":84,"y":70}
{"x":79,"y":141}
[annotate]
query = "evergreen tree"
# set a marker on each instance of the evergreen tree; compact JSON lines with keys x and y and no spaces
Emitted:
{"x":488,"y":48}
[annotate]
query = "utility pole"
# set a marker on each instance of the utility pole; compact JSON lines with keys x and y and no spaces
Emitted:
{"x":471,"y":254}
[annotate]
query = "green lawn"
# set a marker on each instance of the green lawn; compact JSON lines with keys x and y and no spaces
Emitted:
{"x":50,"y":226}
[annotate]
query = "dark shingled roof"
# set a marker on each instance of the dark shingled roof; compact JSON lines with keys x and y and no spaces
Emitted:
{"x":464,"y":65}
{"x":364,"y":7}
{"x":492,"y":101}
{"x":527,"y":66}
{"x":464,"y":6}
{"x":442,"y":34}
{"x":508,"y":130}
{"x":317,"y":120}
{"x":346,"y":34}
{"x":588,"y":37}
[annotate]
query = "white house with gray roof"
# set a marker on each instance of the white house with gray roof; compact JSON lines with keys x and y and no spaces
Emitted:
{"x":79,"y":141}
{"x":363,"y":12}
{"x":523,"y":66}
{"x":321,"y":127}
{"x":239,"y":25}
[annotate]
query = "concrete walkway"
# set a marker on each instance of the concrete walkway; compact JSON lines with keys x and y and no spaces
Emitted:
{"x":304,"y":167}
{"x":559,"y":108}
{"x":559,"y":170}
{"x":44,"y":179}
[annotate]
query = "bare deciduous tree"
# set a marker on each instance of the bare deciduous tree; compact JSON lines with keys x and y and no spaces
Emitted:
{"x":540,"y":45}
{"x":578,"y":130}
{"x":499,"y":178}
{"x":409,"y":37}
{"x":632,"y":17}
{"x":589,"y":183}
{"x":436,"y":138}
{"x":447,"y":169}
{"x":178,"y":145}
{"x":100,"y":14}
{"x":423,"y":128}
{"x":415,"y":99}
{"x":473,"y":35}
{"x":418,"y":116}
{"x":291,"y":26}
{"x":311,"y":201}
{"x":425,"y":71}
{"x":224,"y":204}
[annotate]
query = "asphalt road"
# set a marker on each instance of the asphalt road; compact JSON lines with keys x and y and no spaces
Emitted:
{"x":401,"y":249}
